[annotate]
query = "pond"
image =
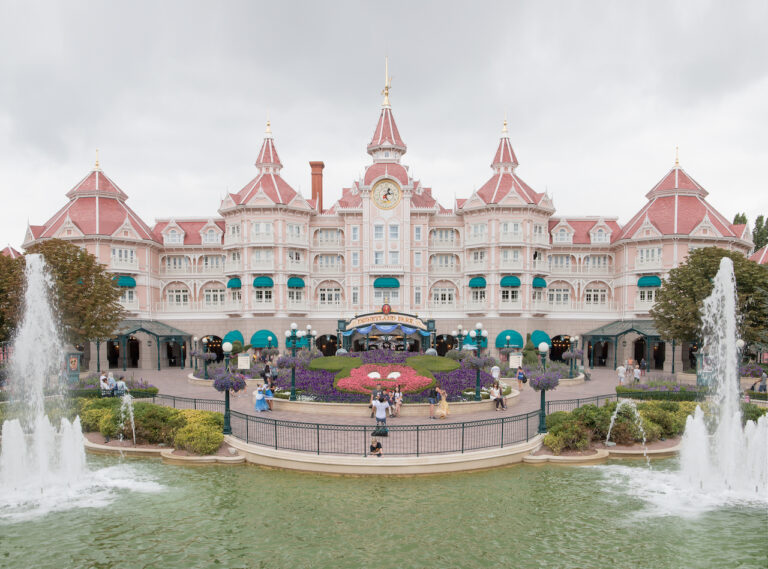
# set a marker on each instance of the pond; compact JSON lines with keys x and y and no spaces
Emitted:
{"x":142,"y":514}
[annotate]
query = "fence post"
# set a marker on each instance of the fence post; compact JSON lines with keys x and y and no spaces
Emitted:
{"x":247,"y":429}
{"x":502,"y":432}
{"x":274,"y":422}
{"x":365,"y":443}
{"x":317,"y":425}
{"x":417,"y":440}
{"x":462,"y":437}
{"x":195,"y":404}
{"x":527,"y":428}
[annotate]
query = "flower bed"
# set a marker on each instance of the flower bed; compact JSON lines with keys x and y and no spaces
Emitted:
{"x":321,"y":379}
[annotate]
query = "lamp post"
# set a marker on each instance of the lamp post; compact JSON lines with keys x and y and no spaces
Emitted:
{"x":292,"y":337}
{"x":310,"y":335}
{"x":227,"y":430}
{"x":543,"y":350}
{"x":460,"y":335}
{"x":313,"y":339}
{"x":477,"y":335}
{"x":573,"y":347}
{"x":195,"y":341}
{"x":205,"y":360}
{"x":269,"y":342}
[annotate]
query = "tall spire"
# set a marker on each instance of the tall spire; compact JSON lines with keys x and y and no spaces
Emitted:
{"x":387,"y":83}
{"x":677,"y":156}
{"x":268,"y":160}
{"x":505,"y":156}
{"x":96,"y":165}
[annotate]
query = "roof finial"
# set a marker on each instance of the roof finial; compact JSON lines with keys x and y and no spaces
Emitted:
{"x":504,"y":131}
{"x":268,"y":130}
{"x":96,"y":166}
{"x":677,"y":156}
{"x":387,"y":82}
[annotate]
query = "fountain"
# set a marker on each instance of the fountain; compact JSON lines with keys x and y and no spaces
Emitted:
{"x":126,"y":413}
{"x":43,"y":468}
{"x":718,"y":455}
{"x":629,"y":404}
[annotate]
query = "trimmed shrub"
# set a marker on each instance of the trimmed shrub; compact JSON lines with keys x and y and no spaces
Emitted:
{"x":594,"y":419}
{"x":630,"y":393}
{"x":108,"y":425}
{"x":96,"y":393}
{"x":156,"y":424}
{"x":751,"y":412}
{"x":554,"y":420}
{"x":207,"y":418}
{"x":569,"y":435}
{"x":757,"y":395}
{"x":199,"y":438}
{"x":90,"y":419}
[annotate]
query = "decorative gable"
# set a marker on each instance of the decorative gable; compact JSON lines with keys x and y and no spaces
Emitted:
{"x":173,"y":234}
{"x":705,"y":229}
{"x":68,"y":229}
{"x":126,"y":231}
{"x":562,"y":233}
{"x":600,"y":233}
{"x":647,"y":230}
{"x":210,"y":233}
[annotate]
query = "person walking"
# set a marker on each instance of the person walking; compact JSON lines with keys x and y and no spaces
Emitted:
{"x":380,"y":407}
{"x":621,"y":373}
{"x":521,"y":378}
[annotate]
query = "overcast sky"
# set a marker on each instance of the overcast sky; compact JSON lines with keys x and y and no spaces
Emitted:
{"x":175,"y":96}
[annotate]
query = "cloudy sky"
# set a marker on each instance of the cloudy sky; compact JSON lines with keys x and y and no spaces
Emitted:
{"x":175,"y":96}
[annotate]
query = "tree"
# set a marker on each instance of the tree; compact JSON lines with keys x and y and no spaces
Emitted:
{"x":677,"y":311}
{"x":740,"y":219}
{"x":760,"y":232}
{"x":87,"y":297}
{"x":530,"y":353}
{"x":11,"y":287}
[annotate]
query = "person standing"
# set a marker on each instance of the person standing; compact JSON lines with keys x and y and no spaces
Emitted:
{"x":521,"y":379}
{"x":380,"y":407}
{"x":636,"y":372}
{"x":621,"y":373}
{"x":121,"y":387}
{"x":375,"y":394}
{"x":643,"y":366}
{"x":269,"y":391}
{"x":398,"y":400}
{"x":442,"y":407}
{"x":432,"y":398}
{"x":112,"y":384}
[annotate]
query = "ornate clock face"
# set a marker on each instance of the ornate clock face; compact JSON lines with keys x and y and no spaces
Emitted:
{"x":386,"y":194}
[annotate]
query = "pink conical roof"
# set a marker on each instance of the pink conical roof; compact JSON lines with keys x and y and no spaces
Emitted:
{"x":97,"y":182}
{"x":10,"y":252}
{"x":268,"y":155}
{"x":505,"y":156}
{"x":386,"y":133}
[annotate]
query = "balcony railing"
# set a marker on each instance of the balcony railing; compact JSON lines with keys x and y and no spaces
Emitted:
{"x":263,"y":306}
{"x":543,"y":239}
{"x":511,"y":264}
{"x":300,"y":266}
{"x":444,"y":244}
{"x":211,"y":269}
{"x":328,"y":269}
{"x":557,"y":269}
{"x":176,"y":270}
{"x":331,"y":243}
{"x":174,"y":306}
{"x":130,"y":304}
{"x":643,"y":305}
{"x":540,"y":265}
{"x":297,"y":306}
{"x":597,"y":269}
{"x":386,"y":269}
{"x":444,"y":269}
{"x":511,"y":305}
{"x":481,"y":239}
{"x":263,"y":238}
{"x":262,"y":265}
{"x":233,"y":266}
{"x":648,"y":263}
{"x":131,"y":264}
{"x":300,"y":240}
{"x":476,"y":265}
{"x":511,"y":237}
{"x":446,"y":306}
{"x":476,"y":305}
{"x":232,"y":240}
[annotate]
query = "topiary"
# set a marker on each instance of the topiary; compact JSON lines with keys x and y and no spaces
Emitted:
{"x":530,"y":354}
{"x":554,"y":442}
{"x":199,"y":438}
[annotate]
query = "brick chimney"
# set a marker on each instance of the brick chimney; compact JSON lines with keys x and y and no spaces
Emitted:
{"x":317,"y":184}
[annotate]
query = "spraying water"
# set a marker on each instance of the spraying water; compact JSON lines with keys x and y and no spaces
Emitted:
{"x":126,"y":414}
{"x":629,"y":404}
{"x":43,"y":468}
{"x":718,"y":455}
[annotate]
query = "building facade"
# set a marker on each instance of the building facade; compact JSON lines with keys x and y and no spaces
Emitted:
{"x":501,"y":256}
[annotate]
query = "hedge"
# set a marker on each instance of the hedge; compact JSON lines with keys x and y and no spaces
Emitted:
{"x":95,"y":393}
{"x":757,"y":395}
{"x":629,"y":393}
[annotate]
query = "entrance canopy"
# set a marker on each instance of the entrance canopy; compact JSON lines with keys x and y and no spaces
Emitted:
{"x":537,"y":337}
{"x":234,"y":336}
{"x":515,"y":339}
{"x":615,"y":330}
{"x":261,"y":339}
{"x":161,"y":331}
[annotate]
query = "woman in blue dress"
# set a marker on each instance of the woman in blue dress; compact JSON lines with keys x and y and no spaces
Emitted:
{"x":261,"y":401}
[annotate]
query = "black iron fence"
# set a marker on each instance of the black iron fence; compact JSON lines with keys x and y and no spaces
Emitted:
{"x":400,"y":440}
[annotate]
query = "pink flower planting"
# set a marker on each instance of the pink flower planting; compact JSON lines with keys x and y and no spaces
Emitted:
{"x":359,"y":382}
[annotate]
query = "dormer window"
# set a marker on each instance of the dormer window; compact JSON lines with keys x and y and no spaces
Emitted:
{"x":562,"y":236}
{"x":173,"y":237}
{"x":600,"y":236}
{"x":211,"y":237}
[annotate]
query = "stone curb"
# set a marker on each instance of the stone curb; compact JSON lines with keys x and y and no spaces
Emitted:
{"x":600,"y":456}
{"x":170,"y":458}
{"x":96,"y":448}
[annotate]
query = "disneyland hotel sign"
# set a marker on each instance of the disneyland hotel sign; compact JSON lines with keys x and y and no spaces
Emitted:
{"x":387,"y":319}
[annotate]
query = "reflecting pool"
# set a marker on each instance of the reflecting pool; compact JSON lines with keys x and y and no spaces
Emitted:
{"x":143,"y":514}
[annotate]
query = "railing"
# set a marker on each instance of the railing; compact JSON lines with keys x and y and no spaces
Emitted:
{"x":232,"y":266}
{"x":511,"y":264}
{"x":444,"y":269}
{"x":300,"y":266}
{"x":571,"y":404}
{"x":541,"y":265}
{"x":385,"y":269}
{"x":328,"y":269}
{"x":263,"y":306}
{"x":648,"y":263}
{"x":402,"y":440}
{"x":481,"y":239}
{"x":130,"y":304}
{"x":444,"y":244}
{"x":116,"y":263}
{"x":511,"y":305}
{"x":263,"y":238}
{"x":326,"y":243}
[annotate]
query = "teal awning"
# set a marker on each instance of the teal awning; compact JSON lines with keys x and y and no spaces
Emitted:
{"x":295,"y":282}
{"x":234,"y":336}
{"x":234,"y":283}
{"x":477,"y":282}
{"x":515,"y":339}
{"x":386,"y":282}
{"x":538,"y":282}
{"x":267,"y":282}
{"x":648,"y":281}
{"x":469,"y":343}
{"x":510,"y":281}
{"x":260,"y":339}
{"x":537,"y":337}
{"x":126,"y":282}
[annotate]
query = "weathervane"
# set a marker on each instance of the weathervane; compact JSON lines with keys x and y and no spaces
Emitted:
{"x":387,"y":82}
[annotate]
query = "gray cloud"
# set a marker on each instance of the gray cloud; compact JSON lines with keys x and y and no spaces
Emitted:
{"x":175,"y":94}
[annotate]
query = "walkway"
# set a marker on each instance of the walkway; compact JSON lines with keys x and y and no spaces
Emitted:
{"x":174,"y":382}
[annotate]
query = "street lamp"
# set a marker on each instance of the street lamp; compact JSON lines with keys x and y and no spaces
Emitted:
{"x":292,"y":337}
{"x":477,"y":335}
{"x":205,"y":360}
{"x":573,"y":347}
{"x":195,"y":341}
{"x":543,"y":350}
{"x":269,"y":342}
{"x":460,"y":335}
{"x":313,"y":339}
{"x":227,"y":430}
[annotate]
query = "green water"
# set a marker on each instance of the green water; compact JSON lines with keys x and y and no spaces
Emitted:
{"x":521,"y":517}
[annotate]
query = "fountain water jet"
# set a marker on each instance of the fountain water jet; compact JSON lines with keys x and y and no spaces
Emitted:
{"x":718,"y":455}
{"x":43,"y":468}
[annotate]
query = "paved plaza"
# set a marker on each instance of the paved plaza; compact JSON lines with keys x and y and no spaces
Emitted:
{"x":175,"y":382}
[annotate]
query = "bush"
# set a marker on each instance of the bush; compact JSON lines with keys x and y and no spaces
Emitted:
{"x":594,"y":419}
{"x":757,"y":395}
{"x":631,"y":393}
{"x":95,"y":392}
{"x":199,"y":438}
{"x":156,"y":424}
{"x":554,"y":420}
{"x":207,"y":418}
{"x":90,"y":419}
{"x":653,"y":431}
{"x":108,"y":425}
{"x":569,"y":435}
{"x":666,"y":415}
{"x":751,"y":412}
